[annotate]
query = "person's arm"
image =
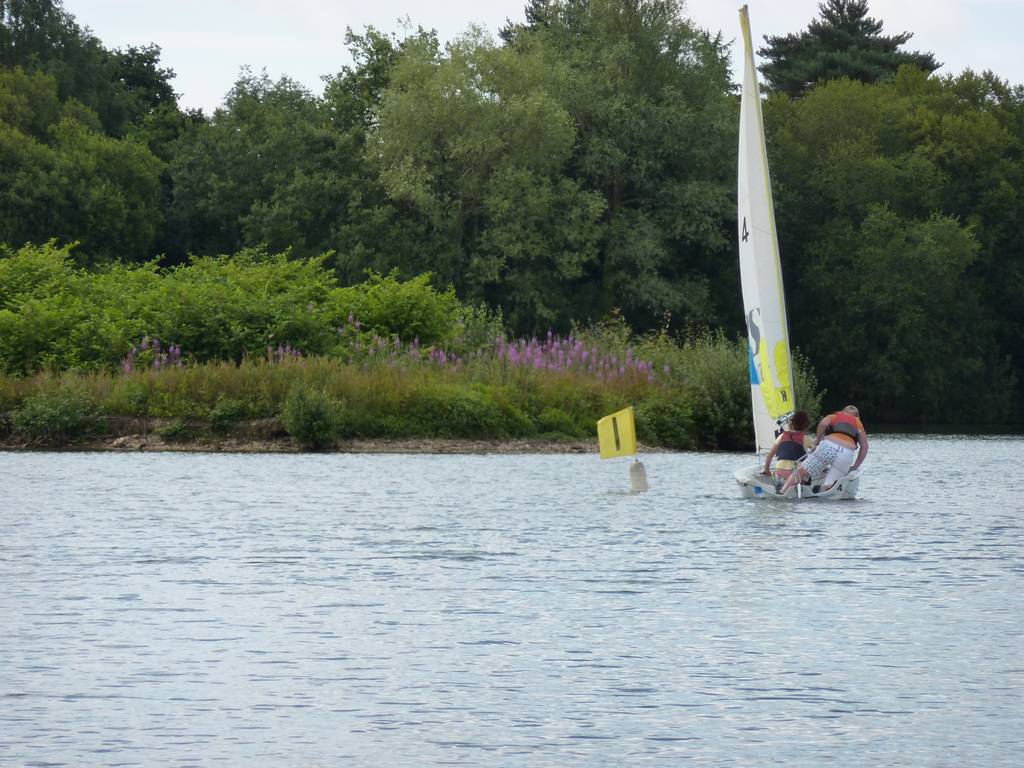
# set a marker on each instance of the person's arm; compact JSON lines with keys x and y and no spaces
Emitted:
{"x":822,"y":426}
{"x":768,"y":459}
{"x":862,"y":441}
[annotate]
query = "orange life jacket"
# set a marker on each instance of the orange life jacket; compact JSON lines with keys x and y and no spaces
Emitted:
{"x":844,"y":423}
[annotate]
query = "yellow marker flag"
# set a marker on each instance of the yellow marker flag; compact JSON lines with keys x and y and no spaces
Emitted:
{"x":616,"y":434}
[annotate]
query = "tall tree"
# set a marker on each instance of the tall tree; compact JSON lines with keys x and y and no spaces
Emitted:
{"x":843,"y":42}
{"x":655,"y":137}
{"x":138,"y":70}
{"x":535,"y":14}
{"x":475,"y":140}
{"x":896,"y":204}
{"x":227,"y":172}
{"x":62,"y":177}
{"x":372,"y":231}
{"x":119,"y":86}
{"x":276,"y":166}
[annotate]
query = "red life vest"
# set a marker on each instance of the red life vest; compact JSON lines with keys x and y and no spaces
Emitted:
{"x":791,"y":446}
{"x":844,"y":423}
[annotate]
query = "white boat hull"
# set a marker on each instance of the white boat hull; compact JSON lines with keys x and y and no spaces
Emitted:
{"x":753,"y":485}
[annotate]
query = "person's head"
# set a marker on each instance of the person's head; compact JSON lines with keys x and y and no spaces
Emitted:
{"x":799,"y":421}
{"x":852,"y":410}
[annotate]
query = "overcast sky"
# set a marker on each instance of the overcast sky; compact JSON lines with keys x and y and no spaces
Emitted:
{"x":207,"y":42}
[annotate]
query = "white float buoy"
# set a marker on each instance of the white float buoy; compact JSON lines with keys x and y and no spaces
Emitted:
{"x":637,"y":477}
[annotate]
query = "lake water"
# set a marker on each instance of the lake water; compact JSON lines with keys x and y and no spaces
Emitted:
{"x":379,"y":610}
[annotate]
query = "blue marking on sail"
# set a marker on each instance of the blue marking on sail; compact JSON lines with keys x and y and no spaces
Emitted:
{"x":754,"y":378}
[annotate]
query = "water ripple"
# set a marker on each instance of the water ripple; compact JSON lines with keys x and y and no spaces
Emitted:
{"x":512,"y":610}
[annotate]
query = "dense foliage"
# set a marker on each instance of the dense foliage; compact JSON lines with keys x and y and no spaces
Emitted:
{"x":582,"y":164}
{"x":898,"y":222}
{"x":56,"y":316}
{"x":221,"y":341}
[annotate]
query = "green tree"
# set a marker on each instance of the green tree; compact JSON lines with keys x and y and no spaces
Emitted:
{"x":900,"y":193}
{"x":229,"y":172}
{"x":372,"y":231}
{"x":474,"y":140}
{"x":29,"y":102}
{"x":979,"y":140}
{"x":844,"y":42}
{"x":585,"y":166}
{"x":655,"y":137}
{"x":905,"y":336}
{"x":61,"y":177}
{"x":119,"y":86}
{"x":29,"y":206}
{"x":138,"y":69}
{"x":279,"y":167}
{"x":109,"y":191}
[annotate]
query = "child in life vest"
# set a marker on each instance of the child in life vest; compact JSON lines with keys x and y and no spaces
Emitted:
{"x":791,"y":446}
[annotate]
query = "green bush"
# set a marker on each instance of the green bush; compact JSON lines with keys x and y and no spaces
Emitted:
{"x":310,"y":416}
{"x":178,"y":431}
{"x":696,"y":394}
{"x":717,"y":393}
{"x":477,"y":329}
{"x":33,"y":271}
{"x":225,"y":308}
{"x":128,"y":397}
{"x":665,"y":422}
{"x":805,"y":383}
{"x":452,"y":412}
{"x":709,"y":388}
{"x":214,"y":309}
{"x":714,"y":388}
{"x":557,"y":421}
{"x":9,"y":397}
{"x":517,"y":423}
{"x":387,"y":307}
{"x":56,"y":417}
{"x":226,"y":414}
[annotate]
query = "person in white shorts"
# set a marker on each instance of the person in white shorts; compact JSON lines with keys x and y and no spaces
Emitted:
{"x":842,"y":448}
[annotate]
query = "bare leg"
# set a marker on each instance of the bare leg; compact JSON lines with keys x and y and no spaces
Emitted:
{"x":833,"y":476}
{"x":797,"y":475}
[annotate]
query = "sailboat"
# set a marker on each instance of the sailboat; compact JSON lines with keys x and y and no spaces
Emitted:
{"x":764,"y":304}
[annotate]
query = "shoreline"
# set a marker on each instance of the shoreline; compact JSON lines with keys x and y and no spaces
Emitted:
{"x":152,"y":443}
{"x":146,"y":435}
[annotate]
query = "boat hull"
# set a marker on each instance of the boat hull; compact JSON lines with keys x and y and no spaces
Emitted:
{"x":754,"y":485}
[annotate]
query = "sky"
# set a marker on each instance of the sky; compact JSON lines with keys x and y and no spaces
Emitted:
{"x":207,"y":42}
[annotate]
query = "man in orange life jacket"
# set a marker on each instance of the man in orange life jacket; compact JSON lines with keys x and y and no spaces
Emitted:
{"x":841,"y":439}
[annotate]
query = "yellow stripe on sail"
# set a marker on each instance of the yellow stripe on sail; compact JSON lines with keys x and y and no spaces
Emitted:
{"x":616,"y":434}
{"x":784,"y":389}
{"x":775,"y":384}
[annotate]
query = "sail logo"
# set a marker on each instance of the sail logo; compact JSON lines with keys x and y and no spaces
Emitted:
{"x":754,"y":341}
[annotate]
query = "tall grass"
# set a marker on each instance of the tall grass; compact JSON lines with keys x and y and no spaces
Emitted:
{"x":385,"y":358}
{"x":689,"y":394}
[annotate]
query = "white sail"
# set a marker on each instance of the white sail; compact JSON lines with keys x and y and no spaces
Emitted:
{"x":771,"y":382}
